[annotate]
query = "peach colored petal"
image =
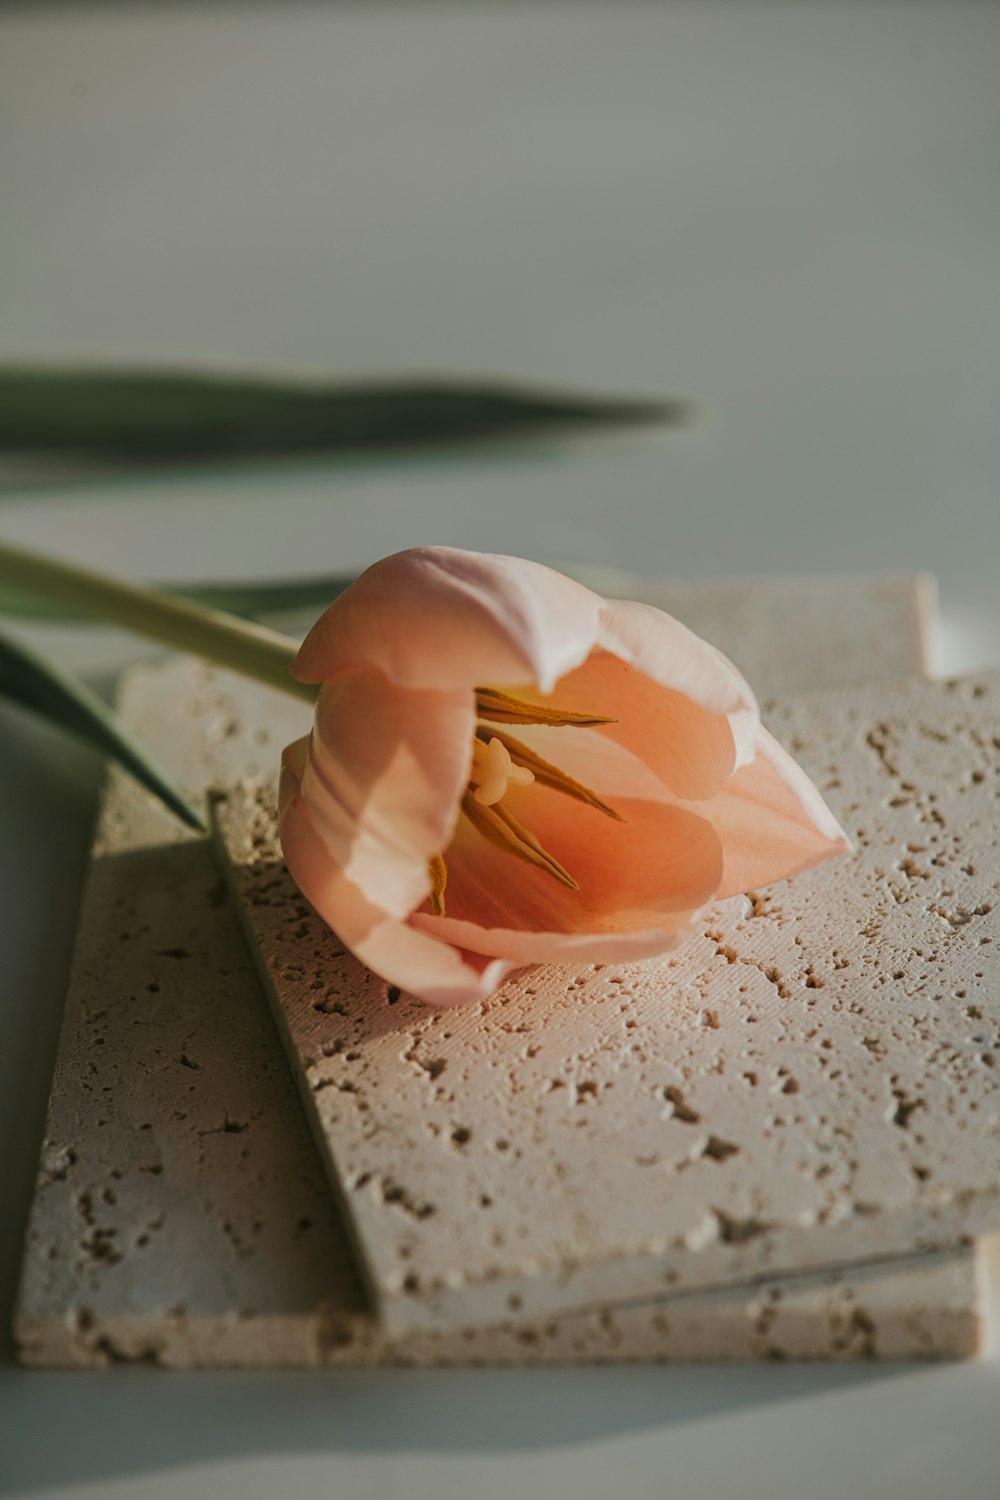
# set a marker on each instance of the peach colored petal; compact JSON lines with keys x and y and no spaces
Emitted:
{"x":681,"y":707}
{"x":649,"y":872}
{"x":434,"y":617}
{"x":604,"y":765}
{"x":687,"y":746}
{"x":521,"y":948}
{"x":667,"y":652}
{"x":772,"y":821}
{"x":385,"y":770}
{"x":437,"y":973}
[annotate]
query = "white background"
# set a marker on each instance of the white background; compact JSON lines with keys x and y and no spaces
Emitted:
{"x":789,"y":212}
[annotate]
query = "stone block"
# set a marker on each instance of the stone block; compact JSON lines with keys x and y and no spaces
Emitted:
{"x":810,"y":1081}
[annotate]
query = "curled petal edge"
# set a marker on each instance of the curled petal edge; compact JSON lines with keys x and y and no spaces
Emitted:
{"x":773,"y":822}
{"x":436,"y":973}
{"x":523,"y":948}
{"x":436,"y":617}
{"x":666,"y":651}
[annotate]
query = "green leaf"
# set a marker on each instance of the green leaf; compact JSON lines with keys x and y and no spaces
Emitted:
{"x":251,"y":601}
{"x":28,"y":679}
{"x":148,"y":415}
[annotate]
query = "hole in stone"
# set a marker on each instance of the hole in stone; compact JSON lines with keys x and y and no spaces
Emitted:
{"x":718,"y":1149}
{"x":682,"y":1111}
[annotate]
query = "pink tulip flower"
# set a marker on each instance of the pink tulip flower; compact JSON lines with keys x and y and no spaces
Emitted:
{"x":506,"y":769}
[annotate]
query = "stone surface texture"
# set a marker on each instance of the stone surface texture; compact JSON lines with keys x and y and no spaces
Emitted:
{"x":182,"y":1216}
{"x":809,"y":632}
{"x":811,"y":1080}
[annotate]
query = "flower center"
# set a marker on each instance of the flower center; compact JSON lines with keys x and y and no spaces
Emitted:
{"x":493,"y":770}
{"x":500,"y":761}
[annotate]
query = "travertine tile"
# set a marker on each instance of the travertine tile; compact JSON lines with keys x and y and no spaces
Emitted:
{"x":810,"y":1082}
{"x":819,"y":623}
{"x":182,"y":1215}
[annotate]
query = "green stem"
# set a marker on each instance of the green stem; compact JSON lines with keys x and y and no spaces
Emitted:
{"x":252,"y":650}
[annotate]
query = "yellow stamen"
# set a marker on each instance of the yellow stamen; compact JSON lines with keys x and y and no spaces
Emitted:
{"x":499,"y":760}
{"x":522,"y":757}
{"x":503,"y":830}
{"x":501,"y":708}
{"x":438,"y":872}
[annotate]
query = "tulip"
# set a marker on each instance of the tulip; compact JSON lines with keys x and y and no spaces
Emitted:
{"x":506,"y":769}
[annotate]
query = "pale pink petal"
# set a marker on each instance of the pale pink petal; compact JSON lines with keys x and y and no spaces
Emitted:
{"x":772,"y":821}
{"x":607,"y":767}
{"x":520,"y":947}
{"x":435,"y":972}
{"x":648,"y":873}
{"x":666,"y":651}
{"x":680,"y":707}
{"x":385,"y":771}
{"x":688,"y":747}
{"x":435,"y":617}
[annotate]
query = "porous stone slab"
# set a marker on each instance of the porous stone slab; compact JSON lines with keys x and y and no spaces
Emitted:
{"x":811,"y":1080}
{"x":182,"y":1216}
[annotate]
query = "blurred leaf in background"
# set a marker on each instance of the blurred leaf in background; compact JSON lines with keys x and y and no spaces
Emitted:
{"x":158,"y":418}
{"x":146,"y":416}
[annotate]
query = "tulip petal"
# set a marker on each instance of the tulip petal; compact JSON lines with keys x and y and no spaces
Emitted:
{"x":385,"y":770}
{"x":701,"y":724}
{"x":689,"y":748}
{"x":432,"y":971}
{"x":663,"y":649}
{"x":679,"y":706}
{"x":435,"y":617}
{"x":645,"y":874}
{"x":520,"y":948}
{"x":608,"y":768}
{"x":772,"y":821}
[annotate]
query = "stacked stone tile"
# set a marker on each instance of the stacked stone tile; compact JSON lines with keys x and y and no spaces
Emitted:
{"x":183,"y":1215}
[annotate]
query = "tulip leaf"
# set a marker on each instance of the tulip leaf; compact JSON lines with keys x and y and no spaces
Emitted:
{"x":249,"y":600}
{"x":151,"y":415}
{"x":29,"y":680}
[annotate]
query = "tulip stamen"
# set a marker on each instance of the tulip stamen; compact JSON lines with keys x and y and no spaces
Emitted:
{"x":501,"y":828}
{"x":502,"y":708}
{"x":438,"y":871}
{"x":500,"y":761}
{"x":542,"y":771}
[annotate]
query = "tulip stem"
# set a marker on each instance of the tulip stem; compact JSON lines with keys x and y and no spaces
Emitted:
{"x":244,"y":647}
